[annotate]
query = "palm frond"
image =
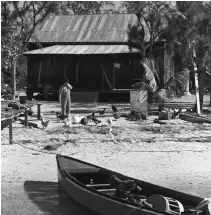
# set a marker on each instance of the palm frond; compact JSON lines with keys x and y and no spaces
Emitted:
{"x":141,"y":86}
{"x":172,"y":86}
{"x":151,"y":72}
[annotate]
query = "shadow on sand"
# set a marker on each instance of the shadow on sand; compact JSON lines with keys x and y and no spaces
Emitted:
{"x":52,"y":200}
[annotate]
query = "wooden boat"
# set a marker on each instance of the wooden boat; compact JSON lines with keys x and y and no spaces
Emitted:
{"x":110,"y":193}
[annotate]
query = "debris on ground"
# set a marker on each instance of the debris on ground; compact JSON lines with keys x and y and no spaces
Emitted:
{"x":30,"y":124}
{"x":164,"y":115}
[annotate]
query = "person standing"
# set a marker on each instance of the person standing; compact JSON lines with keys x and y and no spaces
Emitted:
{"x":64,"y":97}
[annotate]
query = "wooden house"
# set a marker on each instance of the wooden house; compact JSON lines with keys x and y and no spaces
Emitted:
{"x":92,"y":51}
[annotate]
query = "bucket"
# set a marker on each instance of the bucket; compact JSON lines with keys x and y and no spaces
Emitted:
{"x":22,"y":99}
{"x":9,"y":97}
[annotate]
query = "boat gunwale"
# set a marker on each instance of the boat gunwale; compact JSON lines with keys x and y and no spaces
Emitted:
{"x":113,"y":198}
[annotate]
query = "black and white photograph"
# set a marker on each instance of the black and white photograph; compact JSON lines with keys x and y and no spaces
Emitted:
{"x":106,"y":107}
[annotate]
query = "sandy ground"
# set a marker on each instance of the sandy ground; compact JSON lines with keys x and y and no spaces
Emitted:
{"x":176,"y":155}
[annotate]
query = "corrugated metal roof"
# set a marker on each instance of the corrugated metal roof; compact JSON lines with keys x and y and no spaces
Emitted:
{"x":83,"y":49}
{"x":85,"y":28}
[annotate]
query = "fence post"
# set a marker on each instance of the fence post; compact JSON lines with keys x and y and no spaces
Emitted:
{"x":38,"y":110}
{"x":10,"y":131}
{"x":26,"y":118}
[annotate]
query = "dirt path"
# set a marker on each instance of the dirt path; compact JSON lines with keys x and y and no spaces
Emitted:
{"x":175,"y":155}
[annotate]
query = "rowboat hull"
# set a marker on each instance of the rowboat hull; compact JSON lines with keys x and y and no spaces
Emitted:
{"x":97,"y":203}
{"x":72,"y":180}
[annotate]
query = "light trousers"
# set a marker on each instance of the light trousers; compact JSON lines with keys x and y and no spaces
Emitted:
{"x":65,"y":104}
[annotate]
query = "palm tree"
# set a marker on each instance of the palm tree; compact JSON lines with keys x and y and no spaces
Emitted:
{"x":152,"y":26}
{"x":185,"y":28}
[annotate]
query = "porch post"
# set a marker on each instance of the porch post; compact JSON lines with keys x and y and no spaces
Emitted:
{"x":39,"y":74}
{"x":76,"y":74}
{"x":65,"y":68}
{"x":102,"y":77}
{"x":114,"y":76}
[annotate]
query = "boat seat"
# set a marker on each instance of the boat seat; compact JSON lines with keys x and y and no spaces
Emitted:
{"x":107,"y":191}
{"x":98,"y":185}
{"x":82,"y":170}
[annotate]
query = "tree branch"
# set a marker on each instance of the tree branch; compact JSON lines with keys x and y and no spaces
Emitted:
{"x":99,"y":5}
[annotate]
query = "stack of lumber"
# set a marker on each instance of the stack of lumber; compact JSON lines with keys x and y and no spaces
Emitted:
{"x":192,"y":117}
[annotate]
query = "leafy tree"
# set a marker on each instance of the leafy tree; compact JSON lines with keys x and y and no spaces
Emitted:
{"x":133,"y":6}
{"x":146,"y":7}
{"x":191,"y":22}
{"x":85,"y":7}
{"x":18,"y":21}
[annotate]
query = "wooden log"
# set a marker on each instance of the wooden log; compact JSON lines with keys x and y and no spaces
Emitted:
{"x":10,"y":131}
{"x":194,"y":118}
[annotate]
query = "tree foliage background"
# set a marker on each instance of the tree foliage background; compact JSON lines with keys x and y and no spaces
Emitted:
{"x":180,"y":22}
{"x":186,"y":28}
{"x":18,"y":21}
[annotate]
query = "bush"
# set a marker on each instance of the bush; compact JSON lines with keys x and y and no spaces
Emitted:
{"x":5,"y":89}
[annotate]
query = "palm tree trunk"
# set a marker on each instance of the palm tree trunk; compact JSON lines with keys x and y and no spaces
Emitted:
{"x":210,"y":98}
{"x":201,"y":86}
{"x":14,"y":78}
